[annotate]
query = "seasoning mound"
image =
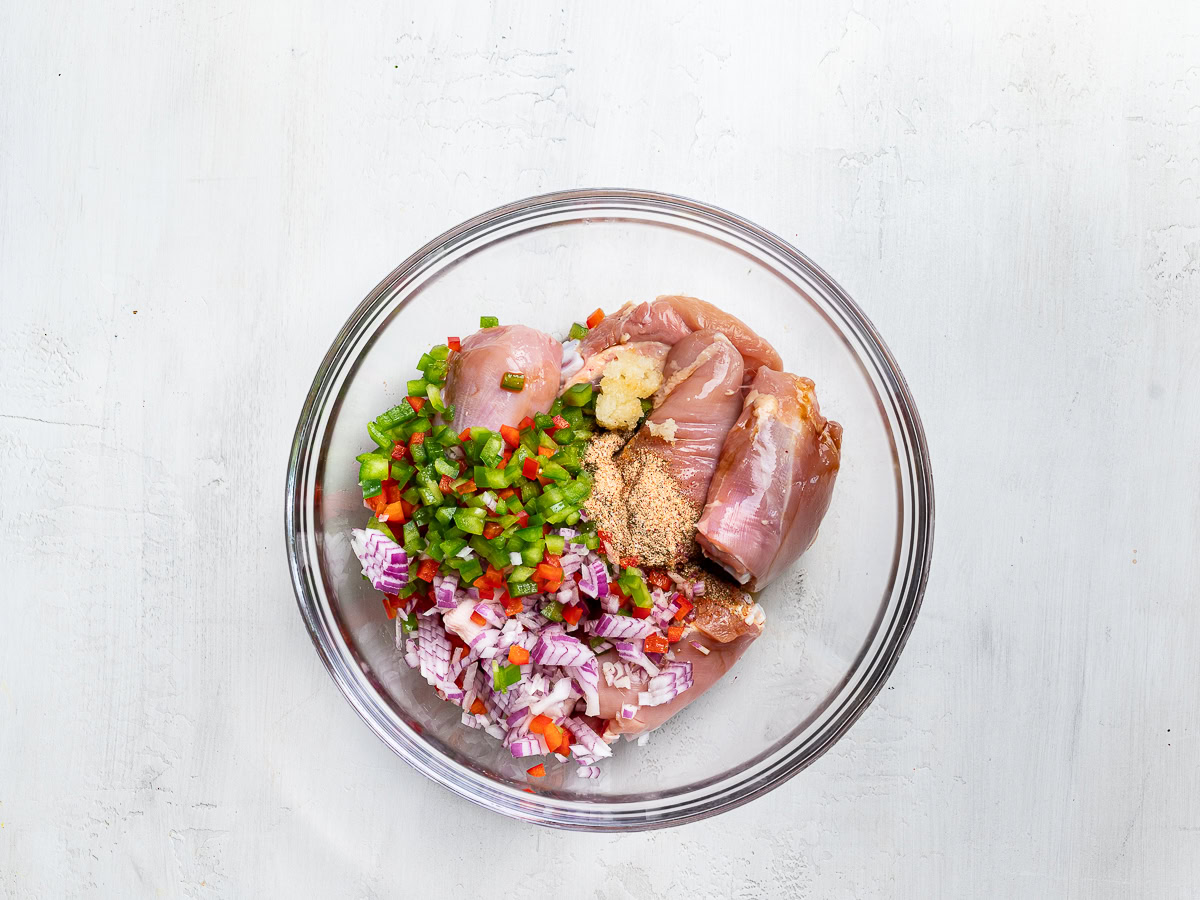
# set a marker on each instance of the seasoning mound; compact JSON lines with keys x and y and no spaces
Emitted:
{"x":637,"y":502}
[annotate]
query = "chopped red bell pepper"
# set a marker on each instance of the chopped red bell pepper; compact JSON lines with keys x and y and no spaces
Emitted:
{"x":549,"y":571}
{"x":427,"y":568}
{"x":595,"y":318}
{"x":512,"y":605}
{"x":468,"y":486}
{"x":553,"y":735}
{"x":399,"y":451}
{"x":627,"y":561}
{"x":454,"y":343}
{"x":416,"y":403}
{"x":675,"y":633}
{"x":525,"y":424}
{"x":559,"y":423}
{"x":494,"y":576}
{"x":390,"y":491}
{"x":641,"y":612}
{"x":656,"y":643}
{"x":685,"y":607}
{"x":408,"y":509}
{"x":477,"y":708}
{"x":503,"y":464}
{"x":538,"y":771}
{"x":464,"y":435}
{"x":523,"y":519}
{"x":518,"y":655}
{"x":537,"y":725}
{"x":375,"y":504}
{"x":417,"y":438}
{"x":659,"y":579}
{"x":478,"y":619}
{"x":572,"y":614}
{"x":545,"y":451}
{"x":393,"y":513}
{"x":487,"y":592}
{"x":531,"y":467}
{"x":445,"y":485}
{"x":505,"y":494}
{"x":605,"y":537}
{"x":491,"y":529}
{"x":511,"y":436}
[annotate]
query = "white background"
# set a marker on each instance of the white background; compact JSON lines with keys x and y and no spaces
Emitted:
{"x":194,"y":195}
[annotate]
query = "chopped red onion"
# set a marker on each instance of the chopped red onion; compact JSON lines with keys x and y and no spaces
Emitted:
{"x":588,"y":771}
{"x":560,"y":650}
{"x":628,"y":710}
{"x":625,"y":627}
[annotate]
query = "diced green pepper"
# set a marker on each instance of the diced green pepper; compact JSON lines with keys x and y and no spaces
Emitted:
{"x":445,"y":514}
{"x":445,"y":467}
{"x":378,"y":436}
{"x":416,"y":387}
{"x":370,"y":488}
{"x":531,"y":555}
{"x":492,"y":451}
{"x":553,"y":611}
{"x":423,"y":515}
{"x":430,"y":494}
{"x":555,"y":544}
{"x":577,"y":395}
{"x":381,"y":527}
{"x":504,"y":677}
{"x":448,"y":413}
{"x":513,"y":381}
{"x":409,"y":623}
{"x":543,"y":421}
{"x":488,"y":322}
{"x":451,"y":546}
{"x":519,"y":574}
{"x":434,"y":393}
{"x":488,"y":477}
{"x":419,"y":454}
{"x":554,"y":471}
{"x":413,"y":543}
{"x":577,"y":333}
{"x":401,"y":472}
{"x":469,"y":570}
{"x":520,"y":589}
{"x":374,"y":467}
{"x":397,"y":415}
{"x":470,"y":520}
{"x":439,"y":351}
{"x":411,"y":496}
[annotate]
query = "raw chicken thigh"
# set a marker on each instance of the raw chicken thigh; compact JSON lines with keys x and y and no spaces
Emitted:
{"x":774,"y":481}
{"x":473,"y":381}
{"x":666,"y":321}
{"x":698,"y":402}
{"x":707,"y":669}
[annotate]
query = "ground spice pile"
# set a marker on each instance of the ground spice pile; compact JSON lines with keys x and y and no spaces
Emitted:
{"x":637,"y":502}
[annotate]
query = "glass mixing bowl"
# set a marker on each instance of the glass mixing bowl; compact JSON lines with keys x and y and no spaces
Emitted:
{"x":835,"y":623}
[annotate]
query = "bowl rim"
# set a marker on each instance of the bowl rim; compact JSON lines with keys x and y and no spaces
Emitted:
{"x":610,"y":816}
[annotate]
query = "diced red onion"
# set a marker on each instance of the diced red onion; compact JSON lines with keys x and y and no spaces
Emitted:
{"x":621,"y":627}
{"x":560,"y":650}
{"x":633,"y":653}
{"x":525,"y":747}
{"x":673,"y":681}
{"x":628,"y":710}
{"x":699,"y":646}
{"x":582,"y":732}
{"x":444,"y":587}
{"x":490,"y":613}
{"x":593,"y":579}
{"x":698,"y":589}
{"x":588,"y":771}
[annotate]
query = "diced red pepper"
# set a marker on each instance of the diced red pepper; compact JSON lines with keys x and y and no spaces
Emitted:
{"x":549,"y":571}
{"x":408,"y":509}
{"x":605,"y":537}
{"x":627,"y":561}
{"x":444,"y":484}
{"x":553,"y":735}
{"x":503,"y":464}
{"x":538,"y":771}
{"x":427,"y":568}
{"x":545,"y":451}
{"x":391,"y":605}
{"x":595,"y":318}
{"x":418,"y":438}
{"x":505,"y":494}
{"x":518,"y":655}
{"x":685,"y":607}
{"x":641,"y":612}
{"x":399,"y":451}
{"x":511,"y":436}
{"x":375,"y":504}
{"x":531,"y":467}
{"x":478,"y":619}
{"x":464,"y":435}
{"x":462,"y":466}
{"x":468,"y":486}
{"x":494,"y":576}
{"x":537,"y":725}
{"x":394,"y":513}
{"x":659,"y":579}
{"x":572,"y":614}
{"x":477,"y":708}
{"x":454,"y":343}
{"x":675,"y":633}
{"x":390,"y":491}
{"x":523,"y":519}
{"x":655,"y":643}
{"x":559,"y":423}
{"x":487,"y":592}
{"x":525,"y":424}
{"x":491,"y":530}
{"x":512,"y":605}
{"x":416,"y":403}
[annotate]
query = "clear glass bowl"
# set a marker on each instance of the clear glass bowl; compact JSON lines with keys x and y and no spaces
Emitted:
{"x":835,"y":624}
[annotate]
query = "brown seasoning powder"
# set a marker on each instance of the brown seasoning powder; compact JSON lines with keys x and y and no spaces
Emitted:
{"x":637,"y":502}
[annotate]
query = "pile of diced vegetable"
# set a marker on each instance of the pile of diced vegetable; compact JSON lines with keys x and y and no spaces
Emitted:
{"x":503,"y":591}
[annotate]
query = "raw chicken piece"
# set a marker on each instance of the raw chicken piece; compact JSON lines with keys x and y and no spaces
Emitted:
{"x":707,"y":670}
{"x":473,"y":381}
{"x":698,"y":402}
{"x":669,"y":319}
{"x":774,"y":481}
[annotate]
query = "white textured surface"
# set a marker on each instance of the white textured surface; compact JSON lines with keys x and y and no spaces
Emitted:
{"x":1011,"y":190}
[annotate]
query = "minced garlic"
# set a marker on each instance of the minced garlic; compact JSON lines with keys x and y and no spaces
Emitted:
{"x":666,"y":430}
{"x":626,"y":381}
